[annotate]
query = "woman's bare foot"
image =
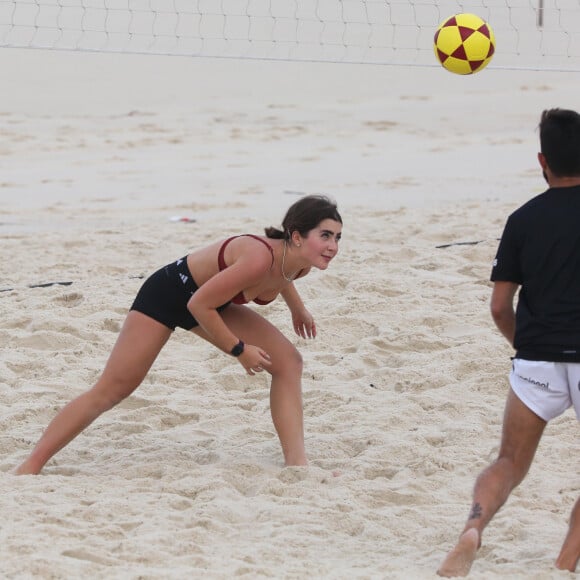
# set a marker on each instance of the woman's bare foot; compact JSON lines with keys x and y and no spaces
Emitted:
{"x":458,"y":562}
{"x":26,"y":469}
{"x":568,"y":559}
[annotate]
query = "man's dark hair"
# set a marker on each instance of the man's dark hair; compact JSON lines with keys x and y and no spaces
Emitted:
{"x":560,"y":141}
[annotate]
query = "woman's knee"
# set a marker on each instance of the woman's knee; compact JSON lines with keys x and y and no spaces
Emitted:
{"x":107,"y":395}
{"x":289,"y":361}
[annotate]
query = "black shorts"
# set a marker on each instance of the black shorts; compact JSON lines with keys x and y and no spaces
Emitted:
{"x":165,"y":294}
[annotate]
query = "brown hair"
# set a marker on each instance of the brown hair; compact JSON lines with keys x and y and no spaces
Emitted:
{"x":304,"y":215}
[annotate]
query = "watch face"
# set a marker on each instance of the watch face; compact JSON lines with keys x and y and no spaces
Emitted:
{"x":238,"y":349}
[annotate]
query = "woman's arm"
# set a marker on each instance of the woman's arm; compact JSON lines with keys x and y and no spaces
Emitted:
{"x":302,"y":320}
{"x":247,"y":270}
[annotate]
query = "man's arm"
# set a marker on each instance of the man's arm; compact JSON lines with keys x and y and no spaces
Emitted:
{"x":502,"y":308}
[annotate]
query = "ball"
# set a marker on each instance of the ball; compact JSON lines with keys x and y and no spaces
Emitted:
{"x":464,"y":44}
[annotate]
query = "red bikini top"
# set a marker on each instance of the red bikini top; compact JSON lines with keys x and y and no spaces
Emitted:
{"x":240,"y":298}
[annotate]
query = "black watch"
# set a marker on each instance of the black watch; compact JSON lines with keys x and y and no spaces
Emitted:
{"x":238,"y":349}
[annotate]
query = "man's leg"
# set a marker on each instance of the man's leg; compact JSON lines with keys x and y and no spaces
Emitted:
{"x":570,"y":552}
{"x":522,"y":430}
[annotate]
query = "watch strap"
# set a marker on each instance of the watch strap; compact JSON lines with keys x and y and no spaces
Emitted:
{"x":238,"y":349}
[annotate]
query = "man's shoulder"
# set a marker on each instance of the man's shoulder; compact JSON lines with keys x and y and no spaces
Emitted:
{"x":551,"y":198}
{"x":535,"y":201}
{"x":533,"y":205}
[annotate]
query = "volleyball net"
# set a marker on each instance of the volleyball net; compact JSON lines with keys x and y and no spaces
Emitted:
{"x":530,"y":34}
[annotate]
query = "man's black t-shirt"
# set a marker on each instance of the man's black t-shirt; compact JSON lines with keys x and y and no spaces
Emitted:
{"x":540,"y":250}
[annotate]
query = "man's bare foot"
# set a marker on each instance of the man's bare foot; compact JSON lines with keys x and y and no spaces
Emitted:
{"x":458,"y":562}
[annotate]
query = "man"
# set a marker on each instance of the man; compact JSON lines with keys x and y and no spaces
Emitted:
{"x":539,"y":253}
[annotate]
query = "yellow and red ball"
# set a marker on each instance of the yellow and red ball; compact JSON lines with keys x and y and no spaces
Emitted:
{"x":464,"y":44}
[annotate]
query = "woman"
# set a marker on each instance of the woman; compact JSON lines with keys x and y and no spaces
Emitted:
{"x":205,"y":292}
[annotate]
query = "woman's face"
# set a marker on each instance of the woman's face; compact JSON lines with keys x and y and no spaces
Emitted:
{"x":321,"y":244}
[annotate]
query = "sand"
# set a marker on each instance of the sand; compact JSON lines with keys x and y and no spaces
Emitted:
{"x":404,"y":386}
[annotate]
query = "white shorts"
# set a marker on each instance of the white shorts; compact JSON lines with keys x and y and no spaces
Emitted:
{"x":547,"y":388}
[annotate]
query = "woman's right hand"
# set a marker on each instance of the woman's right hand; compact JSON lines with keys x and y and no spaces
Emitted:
{"x":254,"y":359}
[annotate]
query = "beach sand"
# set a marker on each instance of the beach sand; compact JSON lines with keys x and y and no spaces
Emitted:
{"x":404,"y":386}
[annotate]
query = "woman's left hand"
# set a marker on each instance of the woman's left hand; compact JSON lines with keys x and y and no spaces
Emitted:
{"x":304,"y":325}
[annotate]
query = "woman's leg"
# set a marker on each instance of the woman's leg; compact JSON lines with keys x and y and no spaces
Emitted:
{"x":286,"y":372}
{"x":139,"y":342}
